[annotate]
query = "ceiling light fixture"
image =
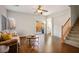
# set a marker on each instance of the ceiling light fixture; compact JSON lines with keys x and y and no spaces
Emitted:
{"x":40,"y":10}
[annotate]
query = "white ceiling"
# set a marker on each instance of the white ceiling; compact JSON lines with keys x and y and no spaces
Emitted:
{"x":31,"y":8}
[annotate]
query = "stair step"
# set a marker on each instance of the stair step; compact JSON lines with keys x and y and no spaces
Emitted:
{"x":74,"y":35}
{"x":75,"y":29}
{"x":77,"y":24}
{"x":74,"y":32}
{"x":72,"y":43}
{"x":73,"y":38}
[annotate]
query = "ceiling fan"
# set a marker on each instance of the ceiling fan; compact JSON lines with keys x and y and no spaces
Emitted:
{"x":40,"y":9}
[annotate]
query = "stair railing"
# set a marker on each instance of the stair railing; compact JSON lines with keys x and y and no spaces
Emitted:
{"x":65,"y":29}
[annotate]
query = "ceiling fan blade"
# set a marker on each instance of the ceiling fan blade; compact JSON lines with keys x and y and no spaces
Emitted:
{"x":40,"y":10}
{"x":45,"y":10}
{"x":40,"y":7}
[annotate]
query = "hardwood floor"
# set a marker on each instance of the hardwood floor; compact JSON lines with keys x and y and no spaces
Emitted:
{"x":52,"y":45}
{"x":58,"y":47}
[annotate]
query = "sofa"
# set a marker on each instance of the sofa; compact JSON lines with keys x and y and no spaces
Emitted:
{"x":9,"y":46}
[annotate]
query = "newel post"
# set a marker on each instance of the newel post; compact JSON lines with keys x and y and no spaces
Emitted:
{"x":62,"y":37}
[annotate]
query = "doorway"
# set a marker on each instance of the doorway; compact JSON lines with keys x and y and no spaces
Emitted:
{"x":39,"y":26}
{"x":49,"y":26}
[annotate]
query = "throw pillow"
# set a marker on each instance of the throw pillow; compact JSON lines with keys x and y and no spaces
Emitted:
{"x":0,"y":37}
{"x":6,"y":36}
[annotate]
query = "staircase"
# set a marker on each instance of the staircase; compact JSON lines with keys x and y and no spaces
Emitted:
{"x":73,"y":36}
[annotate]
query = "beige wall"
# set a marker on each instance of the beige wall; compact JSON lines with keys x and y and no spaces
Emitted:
{"x":3,"y":10}
{"x":25,"y":23}
{"x":74,"y":14}
{"x":59,"y":18}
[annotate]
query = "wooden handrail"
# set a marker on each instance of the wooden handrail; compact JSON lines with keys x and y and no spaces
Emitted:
{"x":65,"y":29}
{"x":66,"y":22}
